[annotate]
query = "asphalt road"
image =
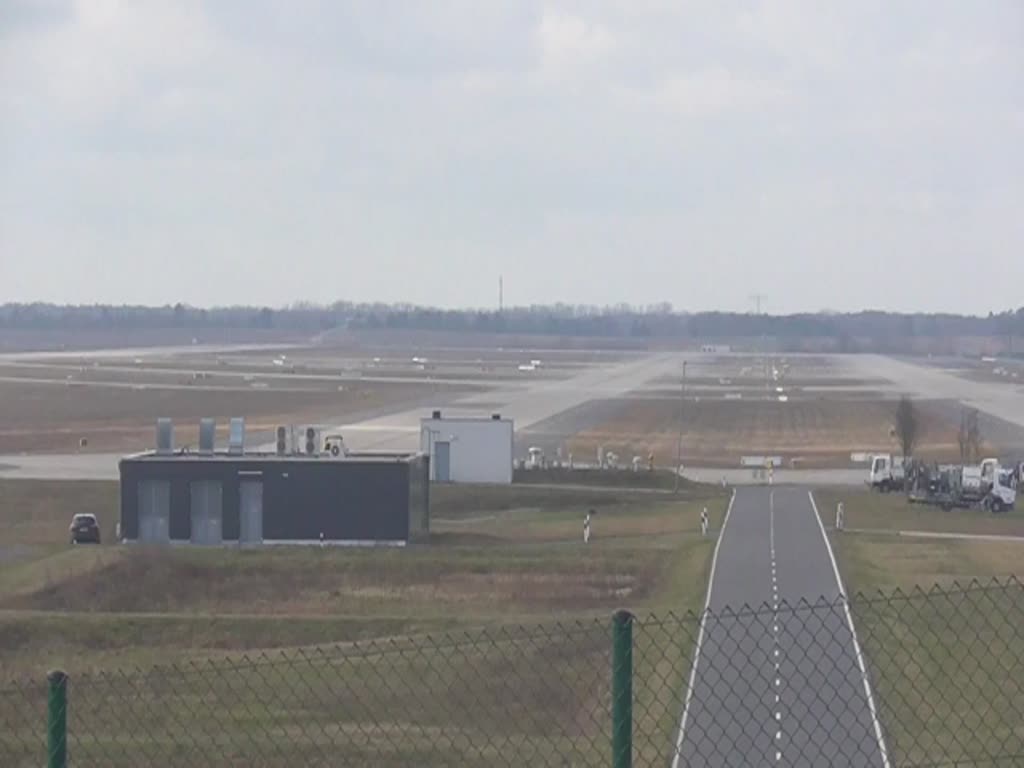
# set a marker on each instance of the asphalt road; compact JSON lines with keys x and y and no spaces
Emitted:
{"x":776,"y":683}
{"x":805,"y":477}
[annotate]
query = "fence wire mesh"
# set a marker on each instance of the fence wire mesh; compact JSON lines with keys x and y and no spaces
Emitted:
{"x":933,"y":678}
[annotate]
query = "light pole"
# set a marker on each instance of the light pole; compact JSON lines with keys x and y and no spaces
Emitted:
{"x":679,"y":443}
{"x":432,"y":435}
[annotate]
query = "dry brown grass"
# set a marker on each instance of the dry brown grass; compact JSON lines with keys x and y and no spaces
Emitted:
{"x":502,"y":560}
{"x":527,"y":561}
{"x":53,"y":417}
{"x":492,"y":557}
{"x":812,"y":432}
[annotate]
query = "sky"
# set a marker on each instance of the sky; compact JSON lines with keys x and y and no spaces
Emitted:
{"x":840,"y":155}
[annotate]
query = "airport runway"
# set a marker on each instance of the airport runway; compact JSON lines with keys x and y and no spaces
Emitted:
{"x":530,"y":403}
{"x":104,"y":353}
{"x":1002,"y":400}
{"x":775,"y":684}
{"x":527,"y":403}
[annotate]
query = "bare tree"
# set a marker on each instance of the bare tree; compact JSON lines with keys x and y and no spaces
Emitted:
{"x":907,"y":426}
{"x":974,"y":436}
{"x":969,"y":436}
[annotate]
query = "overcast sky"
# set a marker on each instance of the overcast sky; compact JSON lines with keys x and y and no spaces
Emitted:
{"x":833,"y":155}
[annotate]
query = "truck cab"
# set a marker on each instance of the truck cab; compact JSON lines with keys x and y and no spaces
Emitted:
{"x":1003,"y":494}
{"x":886,"y":473}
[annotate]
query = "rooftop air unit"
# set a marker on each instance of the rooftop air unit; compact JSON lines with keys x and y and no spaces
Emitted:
{"x":164,"y":436}
{"x":207,"y":434}
{"x":236,"y":436}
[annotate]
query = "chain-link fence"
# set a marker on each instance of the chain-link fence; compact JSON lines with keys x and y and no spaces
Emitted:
{"x":929,"y":679}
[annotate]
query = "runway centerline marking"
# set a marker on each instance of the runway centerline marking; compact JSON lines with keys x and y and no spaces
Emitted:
{"x":775,"y":619}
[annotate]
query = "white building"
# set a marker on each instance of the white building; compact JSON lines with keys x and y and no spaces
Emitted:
{"x":468,"y":450}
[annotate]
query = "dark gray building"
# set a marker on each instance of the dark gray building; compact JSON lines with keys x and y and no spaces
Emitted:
{"x":253,"y":498}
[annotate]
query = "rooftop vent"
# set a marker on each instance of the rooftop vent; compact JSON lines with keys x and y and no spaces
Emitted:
{"x":436,"y":415}
{"x":164,"y":436}
{"x":207,"y":434}
{"x":236,"y":436}
{"x":495,"y":417}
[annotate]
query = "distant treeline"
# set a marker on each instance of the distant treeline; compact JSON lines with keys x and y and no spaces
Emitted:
{"x":866,"y":329}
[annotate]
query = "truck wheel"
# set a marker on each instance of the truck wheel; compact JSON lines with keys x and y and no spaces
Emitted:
{"x":335,"y":450}
{"x":884,"y":486}
{"x":996,"y":506}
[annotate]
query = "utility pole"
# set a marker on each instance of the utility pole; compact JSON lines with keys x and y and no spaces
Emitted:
{"x":757,"y":298}
{"x":679,"y":443}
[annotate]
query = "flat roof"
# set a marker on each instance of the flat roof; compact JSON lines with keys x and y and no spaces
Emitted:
{"x":465,"y":418}
{"x":364,"y":457}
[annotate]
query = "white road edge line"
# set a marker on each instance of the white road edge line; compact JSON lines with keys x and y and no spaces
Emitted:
{"x":853,"y":632}
{"x":700,"y":634}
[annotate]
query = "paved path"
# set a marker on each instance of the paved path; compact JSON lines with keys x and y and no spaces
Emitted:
{"x":72,"y":466}
{"x":776,"y":685}
{"x":937,"y":535}
{"x":804,"y":477}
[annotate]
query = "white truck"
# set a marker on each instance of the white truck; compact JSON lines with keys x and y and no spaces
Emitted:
{"x":886,"y":473}
{"x":1002,"y":493}
{"x":976,"y":481}
{"x":986,"y":485}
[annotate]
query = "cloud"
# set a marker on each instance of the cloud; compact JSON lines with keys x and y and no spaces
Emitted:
{"x":330,"y":146}
{"x":716,"y":90}
{"x":568,"y":41}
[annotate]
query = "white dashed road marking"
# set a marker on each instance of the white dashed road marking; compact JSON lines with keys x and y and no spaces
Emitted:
{"x":775,"y":619}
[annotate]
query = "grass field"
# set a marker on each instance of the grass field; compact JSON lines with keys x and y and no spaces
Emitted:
{"x":879,"y":559}
{"x":810,"y":432}
{"x":493,"y":637}
{"x":55,"y":416}
{"x":945,"y":661}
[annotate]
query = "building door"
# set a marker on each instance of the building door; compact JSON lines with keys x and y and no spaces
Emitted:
{"x":154,"y":511}
{"x":443,"y":462}
{"x":250,"y":513}
{"x":206,"y":512}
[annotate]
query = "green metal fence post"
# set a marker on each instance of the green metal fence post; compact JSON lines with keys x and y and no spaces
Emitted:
{"x":57,"y":720}
{"x":622,"y":689}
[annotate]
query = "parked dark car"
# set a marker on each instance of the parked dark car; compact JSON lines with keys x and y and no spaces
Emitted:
{"x":84,"y":529}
